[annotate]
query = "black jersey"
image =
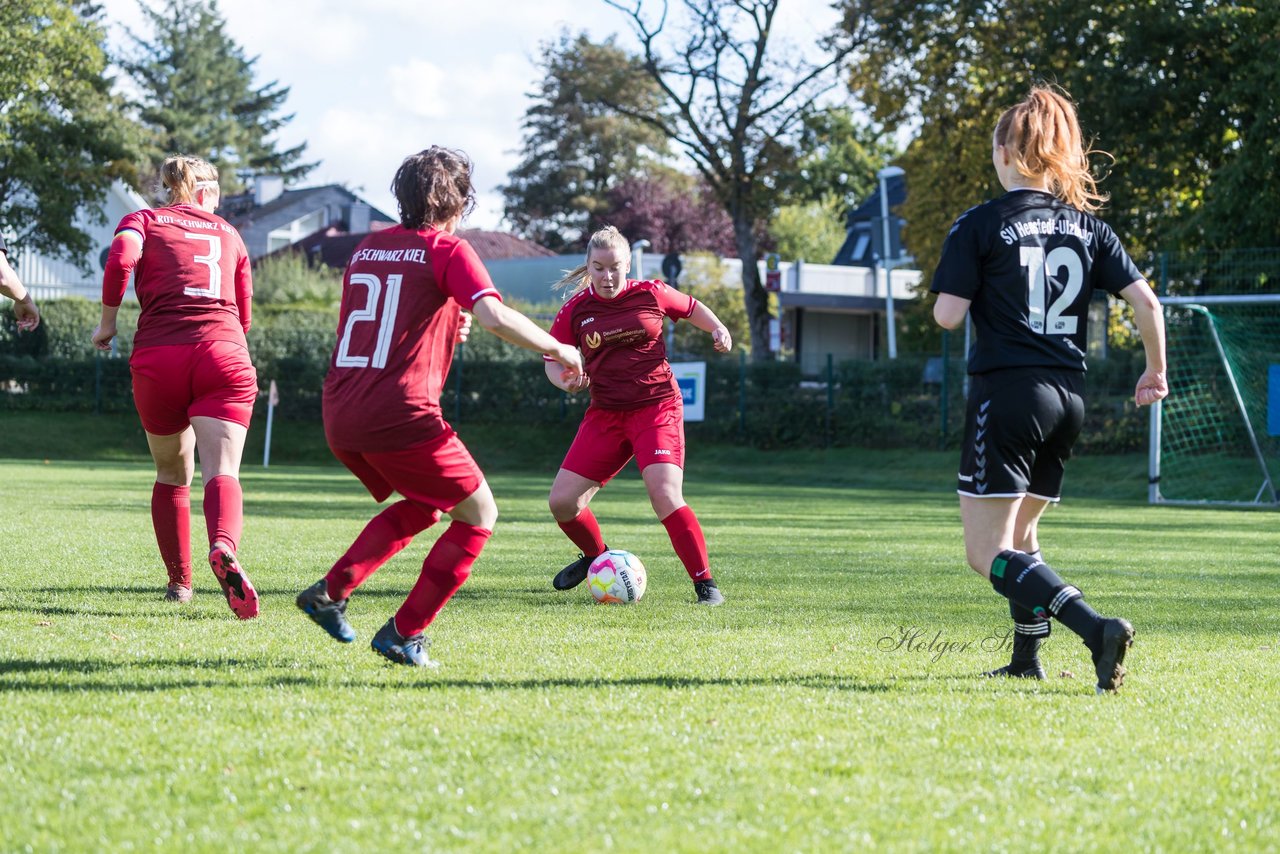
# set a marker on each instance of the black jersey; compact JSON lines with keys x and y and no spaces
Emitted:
{"x":1030,"y":264}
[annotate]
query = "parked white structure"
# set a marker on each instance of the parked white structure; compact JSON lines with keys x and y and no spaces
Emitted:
{"x":825,"y":308}
{"x":49,"y":277}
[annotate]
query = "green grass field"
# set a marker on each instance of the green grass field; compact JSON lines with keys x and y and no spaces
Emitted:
{"x":790,"y":719}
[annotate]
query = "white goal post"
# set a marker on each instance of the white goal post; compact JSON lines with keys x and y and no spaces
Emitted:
{"x":1216,"y":438}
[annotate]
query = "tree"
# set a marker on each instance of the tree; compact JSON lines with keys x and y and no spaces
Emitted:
{"x":834,"y":173}
{"x":674,"y":212}
{"x":574,"y":148}
{"x":810,"y":231}
{"x":736,"y":110}
{"x":62,"y":140}
{"x":198,"y":96}
{"x":1179,"y":91}
{"x":839,"y":156}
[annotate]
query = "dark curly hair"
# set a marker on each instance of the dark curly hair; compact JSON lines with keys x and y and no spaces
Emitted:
{"x":433,"y":186}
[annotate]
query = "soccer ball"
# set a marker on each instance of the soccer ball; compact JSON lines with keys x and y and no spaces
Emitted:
{"x":616,"y":576}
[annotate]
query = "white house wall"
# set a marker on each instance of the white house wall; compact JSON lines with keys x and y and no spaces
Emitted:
{"x":49,"y":277}
{"x":844,"y":336}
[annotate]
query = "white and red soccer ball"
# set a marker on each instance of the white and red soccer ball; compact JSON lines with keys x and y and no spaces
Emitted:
{"x":616,"y":577}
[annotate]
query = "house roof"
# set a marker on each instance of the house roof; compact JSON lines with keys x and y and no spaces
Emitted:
{"x":870,"y":209}
{"x":862,"y":228}
{"x":333,"y":246}
{"x":500,"y":246}
{"x":240,"y":210}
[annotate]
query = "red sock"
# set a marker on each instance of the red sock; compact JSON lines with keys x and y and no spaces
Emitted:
{"x":447,"y":566}
{"x":224,"y":510}
{"x":383,"y":538}
{"x":171,"y":518}
{"x":686,"y":536}
{"x":584,"y":531}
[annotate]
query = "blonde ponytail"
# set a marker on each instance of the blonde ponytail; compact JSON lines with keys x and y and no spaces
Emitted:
{"x":182,"y":173}
{"x":1042,"y":135}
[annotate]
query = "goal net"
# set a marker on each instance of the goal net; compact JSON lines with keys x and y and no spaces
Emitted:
{"x":1216,"y":438}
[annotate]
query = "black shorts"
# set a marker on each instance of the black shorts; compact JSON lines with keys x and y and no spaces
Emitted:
{"x":1020,"y":425}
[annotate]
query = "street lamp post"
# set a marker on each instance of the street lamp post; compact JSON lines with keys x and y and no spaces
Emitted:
{"x":884,"y":175}
{"x":637,"y":257}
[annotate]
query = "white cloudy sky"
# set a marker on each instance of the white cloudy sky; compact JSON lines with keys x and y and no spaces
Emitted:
{"x":374,"y":80}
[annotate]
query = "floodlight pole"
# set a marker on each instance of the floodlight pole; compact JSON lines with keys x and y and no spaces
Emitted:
{"x":884,"y":175}
{"x":637,"y":257}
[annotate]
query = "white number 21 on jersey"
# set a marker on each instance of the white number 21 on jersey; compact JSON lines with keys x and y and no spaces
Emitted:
{"x":386,"y":320}
{"x":1040,"y":270}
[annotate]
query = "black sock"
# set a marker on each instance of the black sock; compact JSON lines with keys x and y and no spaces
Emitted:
{"x":1026,"y":641}
{"x":1025,"y":621}
{"x":1033,"y":584}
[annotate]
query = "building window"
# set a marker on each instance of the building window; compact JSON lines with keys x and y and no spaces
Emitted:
{"x":860,"y":248}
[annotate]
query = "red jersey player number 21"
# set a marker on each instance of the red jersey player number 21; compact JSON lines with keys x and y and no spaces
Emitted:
{"x":403,"y":296}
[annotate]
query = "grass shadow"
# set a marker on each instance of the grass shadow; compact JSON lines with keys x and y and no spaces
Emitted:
{"x":12,"y":671}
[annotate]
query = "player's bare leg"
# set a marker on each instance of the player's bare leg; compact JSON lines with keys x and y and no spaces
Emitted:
{"x":448,"y":565}
{"x":174,"y":457}
{"x":1029,"y":629}
{"x":1034,"y":585}
{"x":221,"y":445}
{"x":665,"y":485}
{"x":571,"y":493}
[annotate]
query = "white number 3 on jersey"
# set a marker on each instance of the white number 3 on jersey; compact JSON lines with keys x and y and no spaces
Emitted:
{"x":214,"y":291}
{"x":1063,"y":266}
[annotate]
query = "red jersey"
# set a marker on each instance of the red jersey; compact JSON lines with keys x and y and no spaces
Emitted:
{"x":621,"y":341}
{"x":192,"y":280}
{"x":397,"y":326}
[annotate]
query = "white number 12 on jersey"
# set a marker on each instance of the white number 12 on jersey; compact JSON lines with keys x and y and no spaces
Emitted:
{"x":386,"y":320}
{"x":1039,"y":270}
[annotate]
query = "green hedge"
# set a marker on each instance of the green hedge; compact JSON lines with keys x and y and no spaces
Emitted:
{"x":877,"y":404}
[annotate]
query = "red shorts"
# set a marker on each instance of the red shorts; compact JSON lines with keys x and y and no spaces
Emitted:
{"x":173,"y":382}
{"x":608,"y":438}
{"x":439,"y":473}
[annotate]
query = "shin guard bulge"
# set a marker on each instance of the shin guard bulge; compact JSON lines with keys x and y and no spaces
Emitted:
{"x":447,"y":566}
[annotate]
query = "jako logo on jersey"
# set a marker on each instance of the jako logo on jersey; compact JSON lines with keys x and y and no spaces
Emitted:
{"x":661,"y":453}
{"x":586,"y":321}
{"x":592,"y":341}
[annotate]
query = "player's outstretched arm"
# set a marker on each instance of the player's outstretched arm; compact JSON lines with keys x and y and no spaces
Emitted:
{"x":106,"y":329}
{"x":949,"y":310}
{"x":706,"y":320}
{"x":24,"y":307}
{"x":125,"y":252}
{"x":1153,"y":385}
{"x":513,"y":327}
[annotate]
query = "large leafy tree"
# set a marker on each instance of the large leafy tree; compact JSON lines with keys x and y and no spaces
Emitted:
{"x":575,"y":148}
{"x":1179,"y":92}
{"x":62,"y":139}
{"x":673,"y":211}
{"x":738,"y":102}
{"x":839,"y":156}
{"x":198,"y":96}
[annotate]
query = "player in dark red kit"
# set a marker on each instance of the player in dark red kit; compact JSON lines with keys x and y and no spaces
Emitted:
{"x":636,"y":407}
{"x":1025,"y":266}
{"x":193,"y":383}
{"x":402,"y":301}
